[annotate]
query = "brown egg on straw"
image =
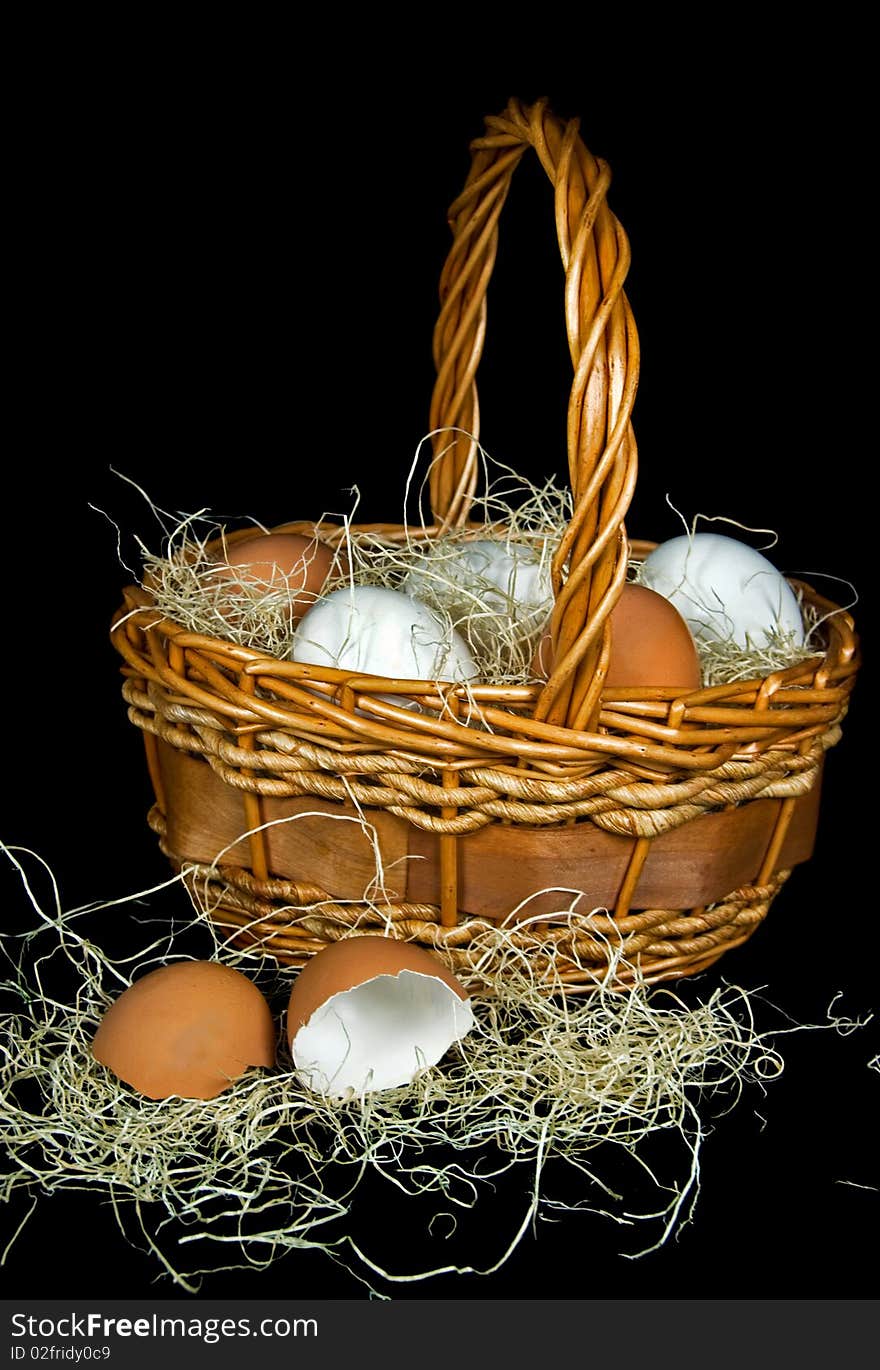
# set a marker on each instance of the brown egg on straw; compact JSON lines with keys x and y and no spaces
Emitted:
{"x":273,"y":563}
{"x":190,"y":1028}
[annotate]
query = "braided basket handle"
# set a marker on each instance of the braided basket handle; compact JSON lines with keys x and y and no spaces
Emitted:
{"x":604,"y":349}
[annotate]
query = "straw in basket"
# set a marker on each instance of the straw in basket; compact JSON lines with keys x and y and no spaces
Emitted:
{"x":678,"y":817}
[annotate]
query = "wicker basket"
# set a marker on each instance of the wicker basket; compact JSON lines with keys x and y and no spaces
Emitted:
{"x":677,"y":817}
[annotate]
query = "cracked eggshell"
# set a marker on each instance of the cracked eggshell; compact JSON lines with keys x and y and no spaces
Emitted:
{"x":368,"y":1013}
{"x":190,"y":1029}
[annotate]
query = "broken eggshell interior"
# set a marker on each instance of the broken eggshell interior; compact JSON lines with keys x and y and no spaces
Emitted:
{"x":368,"y":1013}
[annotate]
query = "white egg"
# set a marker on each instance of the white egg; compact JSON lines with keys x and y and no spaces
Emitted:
{"x":725,"y":590}
{"x":371,"y":630}
{"x":503,"y":577}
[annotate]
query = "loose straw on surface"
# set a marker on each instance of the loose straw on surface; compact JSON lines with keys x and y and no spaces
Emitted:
{"x":542,"y":1086}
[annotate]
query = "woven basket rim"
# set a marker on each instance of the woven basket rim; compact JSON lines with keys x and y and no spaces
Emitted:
{"x":661,"y":730}
{"x":137,"y":598}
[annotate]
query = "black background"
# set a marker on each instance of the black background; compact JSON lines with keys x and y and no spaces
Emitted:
{"x":224,"y":284}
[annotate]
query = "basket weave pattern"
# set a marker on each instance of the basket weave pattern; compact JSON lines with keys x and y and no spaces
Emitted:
{"x":568,"y":757}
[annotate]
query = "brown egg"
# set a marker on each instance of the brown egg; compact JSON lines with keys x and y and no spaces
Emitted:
{"x":190,"y":1028}
{"x":348,"y":963}
{"x":651,"y":645}
{"x":279,"y":561}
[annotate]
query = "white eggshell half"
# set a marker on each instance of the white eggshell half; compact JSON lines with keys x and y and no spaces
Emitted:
{"x":724,"y":589}
{"x":371,"y":630}
{"x":499,"y":575}
{"x":379,"y":1034}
